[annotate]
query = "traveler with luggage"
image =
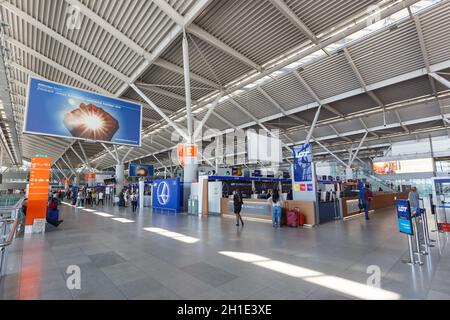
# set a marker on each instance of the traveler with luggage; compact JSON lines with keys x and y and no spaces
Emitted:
{"x":53,"y":213}
{"x":238,"y":202}
{"x":275,"y":202}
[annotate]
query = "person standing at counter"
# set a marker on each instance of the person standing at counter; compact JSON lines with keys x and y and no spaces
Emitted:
{"x":276,"y":209}
{"x":238,"y":202}
{"x":414,"y":198}
{"x":367,"y":197}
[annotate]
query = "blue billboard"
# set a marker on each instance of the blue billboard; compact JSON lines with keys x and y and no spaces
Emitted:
{"x":167,"y":194}
{"x":140,"y":170}
{"x":61,"y":111}
{"x":303,"y":162}
{"x":404,"y":217}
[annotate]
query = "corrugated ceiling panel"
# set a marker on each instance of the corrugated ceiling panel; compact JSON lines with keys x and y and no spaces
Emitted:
{"x":436,"y":29}
{"x":258,"y":105}
{"x":231,"y":113}
{"x":255,"y":29}
{"x":330,"y":76}
{"x":210,"y":63}
{"x":322,"y":15}
{"x":288,"y":92}
{"x":388,"y":54}
{"x":354,"y":104}
{"x":405,"y":90}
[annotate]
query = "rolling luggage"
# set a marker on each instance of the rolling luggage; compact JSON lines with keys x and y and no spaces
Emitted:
{"x":301,"y":219}
{"x":292,"y":219}
{"x":52,"y":215}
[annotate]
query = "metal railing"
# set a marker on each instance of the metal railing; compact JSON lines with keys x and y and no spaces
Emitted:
{"x":7,"y":238}
{"x":11,"y":218}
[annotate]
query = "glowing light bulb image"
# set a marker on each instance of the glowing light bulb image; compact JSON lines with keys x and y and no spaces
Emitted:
{"x":91,"y":122}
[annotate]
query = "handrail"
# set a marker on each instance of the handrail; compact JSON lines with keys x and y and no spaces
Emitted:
{"x":12,"y":233}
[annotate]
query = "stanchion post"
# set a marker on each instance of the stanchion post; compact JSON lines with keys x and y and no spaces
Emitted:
{"x":418,"y":253}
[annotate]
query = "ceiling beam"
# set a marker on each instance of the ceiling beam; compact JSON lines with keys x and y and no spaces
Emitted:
{"x":294,"y":19}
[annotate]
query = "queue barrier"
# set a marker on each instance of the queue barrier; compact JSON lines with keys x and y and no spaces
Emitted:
{"x":419,"y":243}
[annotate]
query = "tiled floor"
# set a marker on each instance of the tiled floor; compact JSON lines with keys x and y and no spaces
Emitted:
{"x":157,"y":256}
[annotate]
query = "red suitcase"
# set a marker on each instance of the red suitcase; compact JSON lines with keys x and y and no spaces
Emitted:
{"x":301,"y":219}
{"x":292,"y":219}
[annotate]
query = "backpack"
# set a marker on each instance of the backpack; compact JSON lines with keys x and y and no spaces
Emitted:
{"x":368,"y":196}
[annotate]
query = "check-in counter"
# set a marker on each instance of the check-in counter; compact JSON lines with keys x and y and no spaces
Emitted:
{"x":381,"y":200}
{"x":261,"y":209}
{"x":252,"y":208}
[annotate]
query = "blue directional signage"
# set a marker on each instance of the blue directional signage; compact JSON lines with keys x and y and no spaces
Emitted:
{"x":167,"y":194}
{"x":404,"y":217}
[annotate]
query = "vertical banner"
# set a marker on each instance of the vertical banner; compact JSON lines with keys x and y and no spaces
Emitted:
{"x":38,"y":190}
{"x":404,"y":217}
{"x":304,"y":184}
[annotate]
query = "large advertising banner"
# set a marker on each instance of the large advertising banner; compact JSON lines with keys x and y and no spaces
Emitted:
{"x":304,"y":184}
{"x":61,"y":111}
{"x":38,"y":190}
{"x":403,"y":166}
{"x":404,"y":217}
{"x":167,"y":195}
{"x":140,"y":170}
{"x":303,"y":162}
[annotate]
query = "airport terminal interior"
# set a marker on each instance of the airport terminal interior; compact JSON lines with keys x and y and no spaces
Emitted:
{"x":224,"y":150}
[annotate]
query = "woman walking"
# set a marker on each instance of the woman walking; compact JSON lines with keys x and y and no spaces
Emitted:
{"x":276,"y":209}
{"x":238,"y":202}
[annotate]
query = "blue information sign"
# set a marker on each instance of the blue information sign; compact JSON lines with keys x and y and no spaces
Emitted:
{"x":167,"y":194}
{"x":57,"y":110}
{"x":303,"y":161}
{"x":404,"y":217}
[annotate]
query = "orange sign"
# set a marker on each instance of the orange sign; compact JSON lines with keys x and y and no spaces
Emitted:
{"x":89,"y":176}
{"x":186,"y":151}
{"x":38,"y":190}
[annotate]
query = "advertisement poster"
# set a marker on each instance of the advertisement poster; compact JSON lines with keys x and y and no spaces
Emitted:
{"x":404,"y":217}
{"x":403,"y":166}
{"x":140,"y":170}
{"x":167,"y":195}
{"x":303,"y":162}
{"x":303,"y":174}
{"x":61,"y":111}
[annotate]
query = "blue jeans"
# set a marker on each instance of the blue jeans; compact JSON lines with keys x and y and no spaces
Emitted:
{"x":366,"y":209}
{"x":276,"y":213}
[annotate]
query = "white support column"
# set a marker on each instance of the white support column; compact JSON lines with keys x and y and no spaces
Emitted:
{"x":331,"y":153}
{"x":355,"y":154}
{"x":161,"y":113}
{"x":441,"y":79}
{"x":313,"y":126}
{"x":110,"y":153}
{"x":187,"y":87}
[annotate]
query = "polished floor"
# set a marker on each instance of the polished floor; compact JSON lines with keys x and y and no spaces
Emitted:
{"x":122,"y":255}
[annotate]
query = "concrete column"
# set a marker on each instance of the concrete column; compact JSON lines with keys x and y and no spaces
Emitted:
{"x":120,"y":177}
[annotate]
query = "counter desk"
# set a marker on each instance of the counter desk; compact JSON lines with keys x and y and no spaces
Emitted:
{"x":381,"y":200}
{"x":252,"y":208}
{"x":261,"y":209}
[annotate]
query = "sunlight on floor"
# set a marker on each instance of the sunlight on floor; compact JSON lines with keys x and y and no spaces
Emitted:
{"x":348,"y":287}
{"x":89,"y":210}
{"x":123,"y":220}
{"x":173,"y":235}
{"x":102,"y":214}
